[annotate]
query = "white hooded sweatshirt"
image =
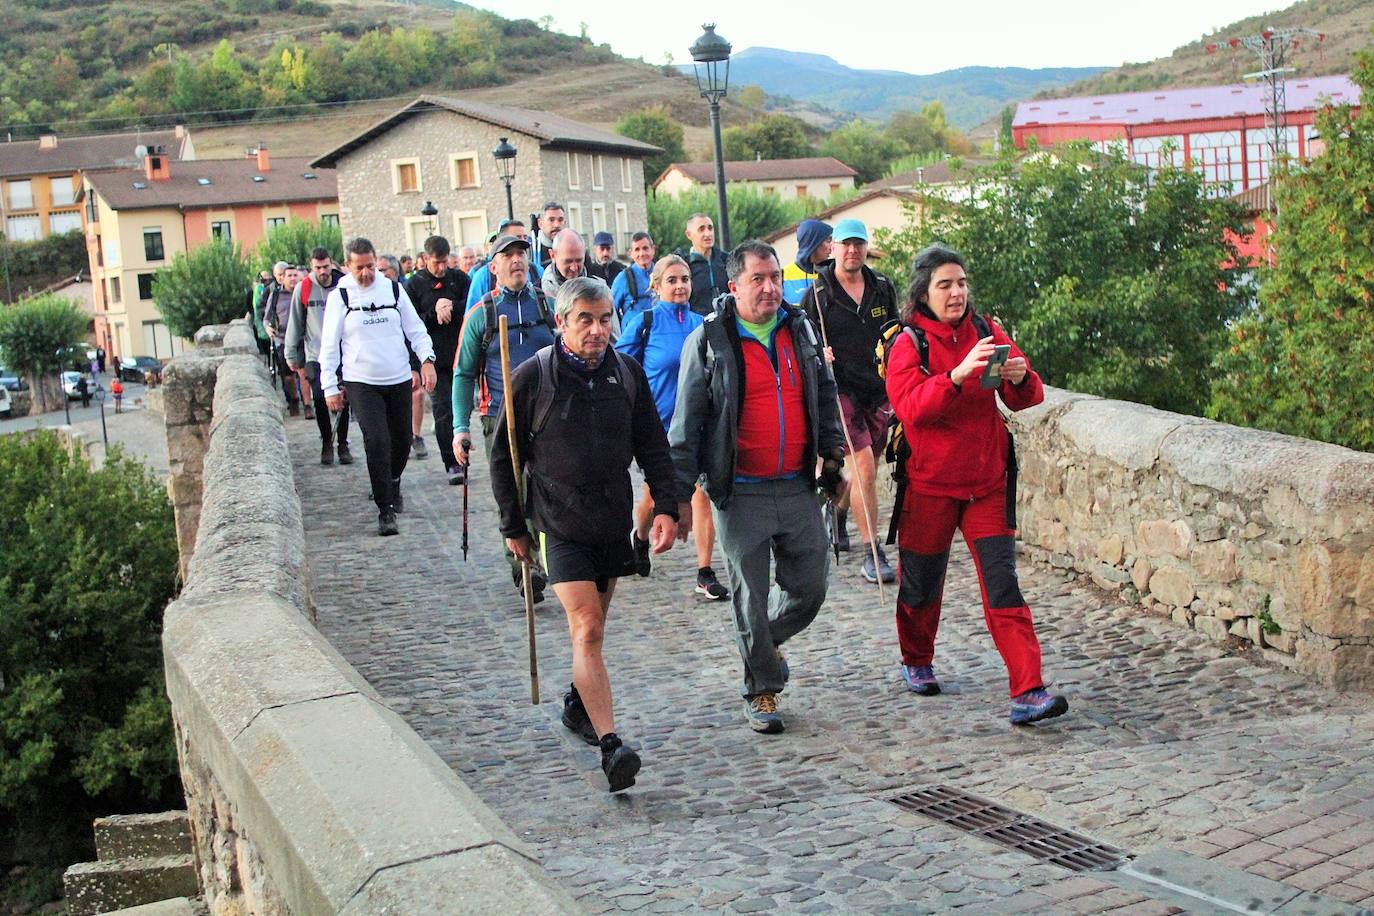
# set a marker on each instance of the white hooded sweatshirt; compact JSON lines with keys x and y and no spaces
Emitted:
{"x":368,"y":336}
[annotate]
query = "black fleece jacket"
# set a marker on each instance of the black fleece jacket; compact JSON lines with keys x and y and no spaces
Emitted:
{"x":853,"y":330}
{"x":425,"y":290}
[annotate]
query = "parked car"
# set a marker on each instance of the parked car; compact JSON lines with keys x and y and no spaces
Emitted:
{"x":11,"y":381}
{"x":133,"y":368}
{"x":70,"y":381}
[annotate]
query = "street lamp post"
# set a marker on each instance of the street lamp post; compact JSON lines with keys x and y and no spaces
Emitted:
{"x":100,"y":398}
{"x":711,"y":57}
{"x":62,"y":388}
{"x":505,"y":167}
{"x":431,"y":211}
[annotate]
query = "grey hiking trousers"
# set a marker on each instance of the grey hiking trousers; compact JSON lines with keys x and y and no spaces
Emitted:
{"x":778,"y":520}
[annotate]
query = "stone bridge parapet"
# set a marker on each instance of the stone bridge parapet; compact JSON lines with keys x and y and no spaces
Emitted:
{"x":1235,"y":532}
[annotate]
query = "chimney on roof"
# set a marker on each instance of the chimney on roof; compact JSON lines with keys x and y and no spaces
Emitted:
{"x":47,"y":141}
{"x":156,"y":165}
{"x":264,"y":163}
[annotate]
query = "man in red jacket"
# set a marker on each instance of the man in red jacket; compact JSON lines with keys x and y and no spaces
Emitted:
{"x":957,"y":477}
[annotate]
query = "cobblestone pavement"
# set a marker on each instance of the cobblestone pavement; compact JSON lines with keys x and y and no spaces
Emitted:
{"x":1169,"y":743}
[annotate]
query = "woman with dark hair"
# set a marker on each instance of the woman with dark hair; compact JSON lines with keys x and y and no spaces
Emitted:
{"x":944,"y":378}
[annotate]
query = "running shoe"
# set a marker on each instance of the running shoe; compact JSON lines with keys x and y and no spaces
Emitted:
{"x":643,"y":564}
{"x":920,"y":679}
{"x":882,"y":569}
{"x":1037,"y":704}
{"x":709,"y":585}
{"x":619,"y":762}
{"x":327,"y":453}
{"x":761,"y":712}
{"x":575,"y":716}
{"x":345,"y":456}
{"x":456,"y":475}
{"x":417,"y":448}
{"x":399,"y":503}
{"x":386,"y":523}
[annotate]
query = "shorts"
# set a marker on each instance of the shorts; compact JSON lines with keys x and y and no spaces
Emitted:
{"x":867,"y":425}
{"x":571,"y":561}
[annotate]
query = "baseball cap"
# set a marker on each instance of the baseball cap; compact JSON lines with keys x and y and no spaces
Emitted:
{"x":603,"y":238}
{"x":509,"y":241}
{"x":847,"y":229}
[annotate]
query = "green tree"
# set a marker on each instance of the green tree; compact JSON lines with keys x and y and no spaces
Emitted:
{"x":38,"y":337}
{"x":293,"y":241}
{"x":206,"y":285}
{"x":864,"y":147}
{"x":774,"y":136}
{"x":89,"y":561}
{"x":753,"y":214}
{"x":1299,"y":363}
{"x":1108,"y":276}
{"x":657,"y":126}
{"x":753,"y":97}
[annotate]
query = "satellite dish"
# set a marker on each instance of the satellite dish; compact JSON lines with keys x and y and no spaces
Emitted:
{"x":140,"y":151}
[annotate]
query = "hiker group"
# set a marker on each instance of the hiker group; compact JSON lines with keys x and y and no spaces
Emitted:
{"x":757,"y":400}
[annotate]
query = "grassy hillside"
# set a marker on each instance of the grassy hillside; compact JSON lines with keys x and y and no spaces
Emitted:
{"x":1346,"y":24}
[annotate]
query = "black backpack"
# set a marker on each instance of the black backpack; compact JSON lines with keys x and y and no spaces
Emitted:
{"x":488,"y":305}
{"x":395,"y":301}
{"x":898,"y":447}
{"x":548,"y":385}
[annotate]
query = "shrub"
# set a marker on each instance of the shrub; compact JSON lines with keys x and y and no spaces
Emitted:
{"x":293,"y":241}
{"x":38,"y":336}
{"x":206,"y":285}
{"x":89,"y":561}
{"x":753,"y":214}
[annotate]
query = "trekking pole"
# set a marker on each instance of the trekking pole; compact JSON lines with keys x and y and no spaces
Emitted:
{"x":467,"y":456}
{"x":526,"y":578}
{"x":870,"y":511}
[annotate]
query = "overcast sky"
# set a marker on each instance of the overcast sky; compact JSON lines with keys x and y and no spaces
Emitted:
{"x":918,"y":36}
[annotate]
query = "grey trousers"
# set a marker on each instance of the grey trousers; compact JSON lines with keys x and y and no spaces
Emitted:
{"x":778,"y":520}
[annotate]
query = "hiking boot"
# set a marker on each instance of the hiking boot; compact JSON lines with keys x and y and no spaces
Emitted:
{"x":842,"y":532}
{"x":882,"y":570}
{"x":761,"y":712}
{"x":457,"y":475}
{"x":1037,"y":704}
{"x":417,"y":448}
{"x":643,"y":564}
{"x":537,"y":582}
{"x":309,"y":411}
{"x":293,"y":408}
{"x":618,"y":762}
{"x":575,"y":716}
{"x":386,"y":523}
{"x":399,"y":503}
{"x":920,"y":679}
{"x":709,"y":585}
{"x":327,"y":453}
{"x":345,"y":456}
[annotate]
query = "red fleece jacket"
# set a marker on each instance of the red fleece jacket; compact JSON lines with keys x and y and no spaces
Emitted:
{"x":958,"y":441}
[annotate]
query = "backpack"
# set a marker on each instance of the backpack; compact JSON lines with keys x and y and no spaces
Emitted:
{"x":488,"y":306}
{"x":644,"y":329}
{"x":395,"y":304}
{"x":548,"y":385}
{"x":898,"y":447}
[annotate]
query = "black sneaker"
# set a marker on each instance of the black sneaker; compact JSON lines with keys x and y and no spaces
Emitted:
{"x":618,"y":762}
{"x":709,"y":585}
{"x":345,"y":456}
{"x":386,"y":523}
{"x":575,"y":716}
{"x":537,"y":582}
{"x":399,"y":503}
{"x":643,"y":564}
{"x":418,"y":449}
{"x":327,"y":453}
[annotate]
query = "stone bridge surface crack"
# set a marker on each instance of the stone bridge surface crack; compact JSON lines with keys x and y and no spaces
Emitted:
{"x":1170,"y":742}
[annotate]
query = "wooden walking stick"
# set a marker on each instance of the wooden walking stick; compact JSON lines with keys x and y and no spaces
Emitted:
{"x":870,"y":511}
{"x":526,"y":584}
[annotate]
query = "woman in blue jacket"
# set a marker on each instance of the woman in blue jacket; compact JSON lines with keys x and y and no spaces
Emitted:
{"x":654,"y":337}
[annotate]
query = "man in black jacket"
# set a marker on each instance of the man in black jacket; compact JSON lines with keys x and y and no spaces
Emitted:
{"x":583,"y":412}
{"x":851,"y":303}
{"x":706,"y":261}
{"x":439,"y":293}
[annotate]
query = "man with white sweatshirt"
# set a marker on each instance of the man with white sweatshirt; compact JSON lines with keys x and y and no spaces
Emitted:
{"x":368,"y":320}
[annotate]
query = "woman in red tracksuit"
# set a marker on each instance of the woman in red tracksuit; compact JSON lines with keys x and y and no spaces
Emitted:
{"x":957,"y":478}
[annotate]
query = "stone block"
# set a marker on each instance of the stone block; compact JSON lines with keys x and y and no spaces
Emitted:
{"x":1172,"y":586}
{"x":181,"y":906}
{"x":1342,"y":667}
{"x":1110,"y":549}
{"x":142,"y":836}
{"x":1213,"y":628}
{"x":1162,"y":537}
{"x":210,"y":336}
{"x":1129,"y":435}
{"x":1216,"y":561}
{"x":1140,"y":575}
{"x":99,"y":887}
{"x":1326,"y":576}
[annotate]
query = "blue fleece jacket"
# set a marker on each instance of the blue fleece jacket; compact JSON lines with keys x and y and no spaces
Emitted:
{"x":663,"y":353}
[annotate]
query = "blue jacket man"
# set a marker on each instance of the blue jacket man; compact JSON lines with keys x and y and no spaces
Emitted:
{"x":813,"y":247}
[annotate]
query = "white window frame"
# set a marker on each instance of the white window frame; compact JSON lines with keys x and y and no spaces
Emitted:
{"x":396,"y":175}
{"x":52,"y":227}
{"x":622,"y":227}
{"x":115,"y":291}
{"x":598,"y":224}
{"x":29,"y":224}
{"x":71,"y":190}
{"x":10,"y":185}
{"x":575,"y":216}
{"x":598,"y":172}
{"x":454,"y":159}
{"x":627,"y":181}
{"x":415,"y":240}
{"x":458,"y":218}
{"x":574,"y":171}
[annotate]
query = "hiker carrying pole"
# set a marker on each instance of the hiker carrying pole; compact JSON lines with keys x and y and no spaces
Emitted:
{"x":526,"y":562}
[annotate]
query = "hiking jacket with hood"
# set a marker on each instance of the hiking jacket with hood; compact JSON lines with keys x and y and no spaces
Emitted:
{"x":307,"y":318}
{"x":661,"y":354}
{"x":425,"y":290}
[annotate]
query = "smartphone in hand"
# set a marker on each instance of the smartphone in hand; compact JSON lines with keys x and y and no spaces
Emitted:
{"x":992,"y":372}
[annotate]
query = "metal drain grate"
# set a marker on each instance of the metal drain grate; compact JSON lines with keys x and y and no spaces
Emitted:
{"x":1012,"y":829}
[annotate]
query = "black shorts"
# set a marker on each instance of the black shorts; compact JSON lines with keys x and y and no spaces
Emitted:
{"x":571,"y":561}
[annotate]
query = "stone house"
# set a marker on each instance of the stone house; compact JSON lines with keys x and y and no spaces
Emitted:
{"x":819,"y":176}
{"x":438,"y":150}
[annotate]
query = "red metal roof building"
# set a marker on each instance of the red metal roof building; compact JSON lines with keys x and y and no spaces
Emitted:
{"x":1219,"y":129}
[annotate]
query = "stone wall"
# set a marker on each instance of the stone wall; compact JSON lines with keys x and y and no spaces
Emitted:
{"x":1234,"y":532}
{"x":305,"y":793}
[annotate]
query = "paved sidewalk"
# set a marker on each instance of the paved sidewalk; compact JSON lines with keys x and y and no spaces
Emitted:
{"x":1169,"y":744}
